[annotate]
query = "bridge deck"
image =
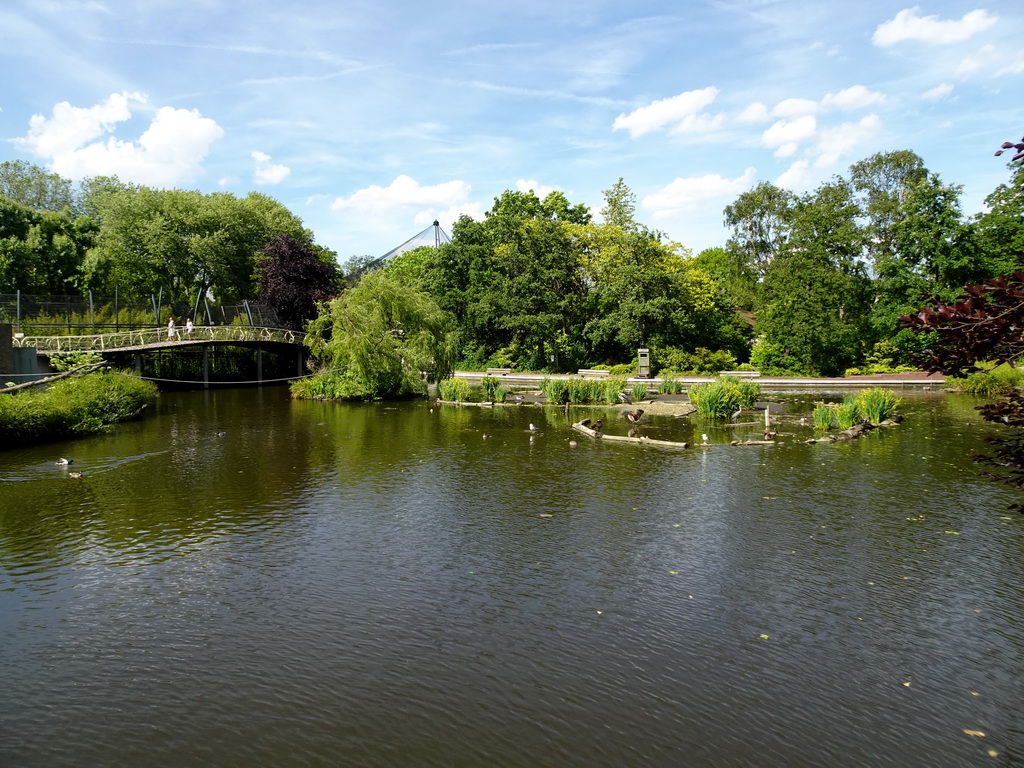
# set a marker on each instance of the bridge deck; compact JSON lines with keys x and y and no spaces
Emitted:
{"x":157,"y":338}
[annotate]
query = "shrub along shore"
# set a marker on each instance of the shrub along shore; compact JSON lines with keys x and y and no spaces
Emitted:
{"x":72,"y":407}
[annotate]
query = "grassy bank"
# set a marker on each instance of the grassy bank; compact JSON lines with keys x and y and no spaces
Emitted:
{"x":72,"y":408}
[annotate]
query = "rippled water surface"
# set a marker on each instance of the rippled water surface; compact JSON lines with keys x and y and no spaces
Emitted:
{"x":240,"y":580}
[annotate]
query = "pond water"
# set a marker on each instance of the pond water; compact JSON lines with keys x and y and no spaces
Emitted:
{"x":244,"y":580}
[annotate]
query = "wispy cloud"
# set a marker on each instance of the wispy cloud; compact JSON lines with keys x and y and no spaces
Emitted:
{"x":683,"y":113}
{"x":908,"y":24}
{"x":939,"y":92}
{"x":682,"y":195}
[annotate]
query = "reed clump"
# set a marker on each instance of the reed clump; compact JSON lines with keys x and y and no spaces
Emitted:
{"x":720,"y":398}
{"x":454,"y":390}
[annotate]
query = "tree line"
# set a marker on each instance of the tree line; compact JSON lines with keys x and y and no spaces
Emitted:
{"x":809,"y":284}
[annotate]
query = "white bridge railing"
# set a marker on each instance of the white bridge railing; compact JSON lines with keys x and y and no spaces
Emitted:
{"x":105,"y":342}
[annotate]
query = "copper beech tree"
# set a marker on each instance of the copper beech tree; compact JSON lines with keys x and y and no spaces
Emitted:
{"x":985,"y":323}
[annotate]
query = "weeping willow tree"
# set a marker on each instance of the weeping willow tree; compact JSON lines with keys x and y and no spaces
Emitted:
{"x":381,"y":339}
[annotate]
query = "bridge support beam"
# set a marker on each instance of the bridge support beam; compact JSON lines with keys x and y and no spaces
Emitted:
{"x":138,"y":363}
{"x":206,"y":367}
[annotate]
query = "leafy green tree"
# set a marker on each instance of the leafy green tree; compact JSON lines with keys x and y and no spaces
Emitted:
{"x":619,"y":207}
{"x":41,"y":251}
{"x":815,"y":295}
{"x":383,"y":334}
{"x":181,"y":242}
{"x":539,"y":292}
{"x":761,"y":221}
{"x":1000,"y":228}
{"x":881,"y":182}
{"x":934,"y":250}
{"x":35,"y":187}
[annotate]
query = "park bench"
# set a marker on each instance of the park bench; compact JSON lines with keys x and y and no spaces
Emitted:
{"x":499,"y":371}
{"x":741,"y":374}
{"x":592,"y":373}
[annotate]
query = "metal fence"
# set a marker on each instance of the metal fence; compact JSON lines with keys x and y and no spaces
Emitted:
{"x":51,"y":315}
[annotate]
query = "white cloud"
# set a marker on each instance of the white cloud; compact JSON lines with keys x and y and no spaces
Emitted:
{"x":854,"y":97}
{"x":169,"y":151}
{"x":540,"y":190}
{"x":785,"y":135}
{"x":683,"y":112}
{"x":797,"y":177}
{"x":939,"y":92}
{"x":795,"y":108}
{"x":685,"y":194}
{"x":267,"y":172}
{"x":756,"y":112}
{"x":908,"y":24}
{"x":841,"y":140}
{"x":405,"y":196}
{"x":70,"y":127}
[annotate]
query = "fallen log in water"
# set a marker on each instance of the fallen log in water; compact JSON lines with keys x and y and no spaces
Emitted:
{"x":580,"y":427}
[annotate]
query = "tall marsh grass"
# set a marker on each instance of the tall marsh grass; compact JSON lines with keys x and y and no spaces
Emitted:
{"x":670,"y":386}
{"x":720,"y":398}
{"x":876,"y":404}
{"x":454,"y":390}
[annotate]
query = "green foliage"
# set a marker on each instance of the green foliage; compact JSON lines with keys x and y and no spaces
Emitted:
{"x":824,"y":416}
{"x":385,"y":334}
{"x":72,"y":407}
{"x":489,"y":385}
{"x":814,"y":298}
{"x":67,"y":361}
{"x":555,"y":391}
{"x":333,"y":385}
{"x":997,"y":380}
{"x":876,"y":404}
{"x":772,"y":359}
{"x":892,"y":355}
{"x":454,"y":390}
{"x":639,"y":392}
{"x":699,"y":362}
{"x":720,"y":398}
{"x":612,"y":386}
{"x":847,"y":412}
{"x":670,"y":386}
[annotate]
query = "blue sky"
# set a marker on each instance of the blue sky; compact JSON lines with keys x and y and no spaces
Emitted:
{"x":369,"y":120}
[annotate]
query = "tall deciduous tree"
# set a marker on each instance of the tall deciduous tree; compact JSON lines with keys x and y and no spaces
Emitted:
{"x":182,"y":242}
{"x":881,"y":182}
{"x":35,"y":187}
{"x":760,"y":220}
{"x":815,"y":294}
{"x":293,"y":277}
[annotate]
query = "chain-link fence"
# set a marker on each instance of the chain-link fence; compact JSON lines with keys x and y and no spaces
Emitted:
{"x":37,"y":315}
